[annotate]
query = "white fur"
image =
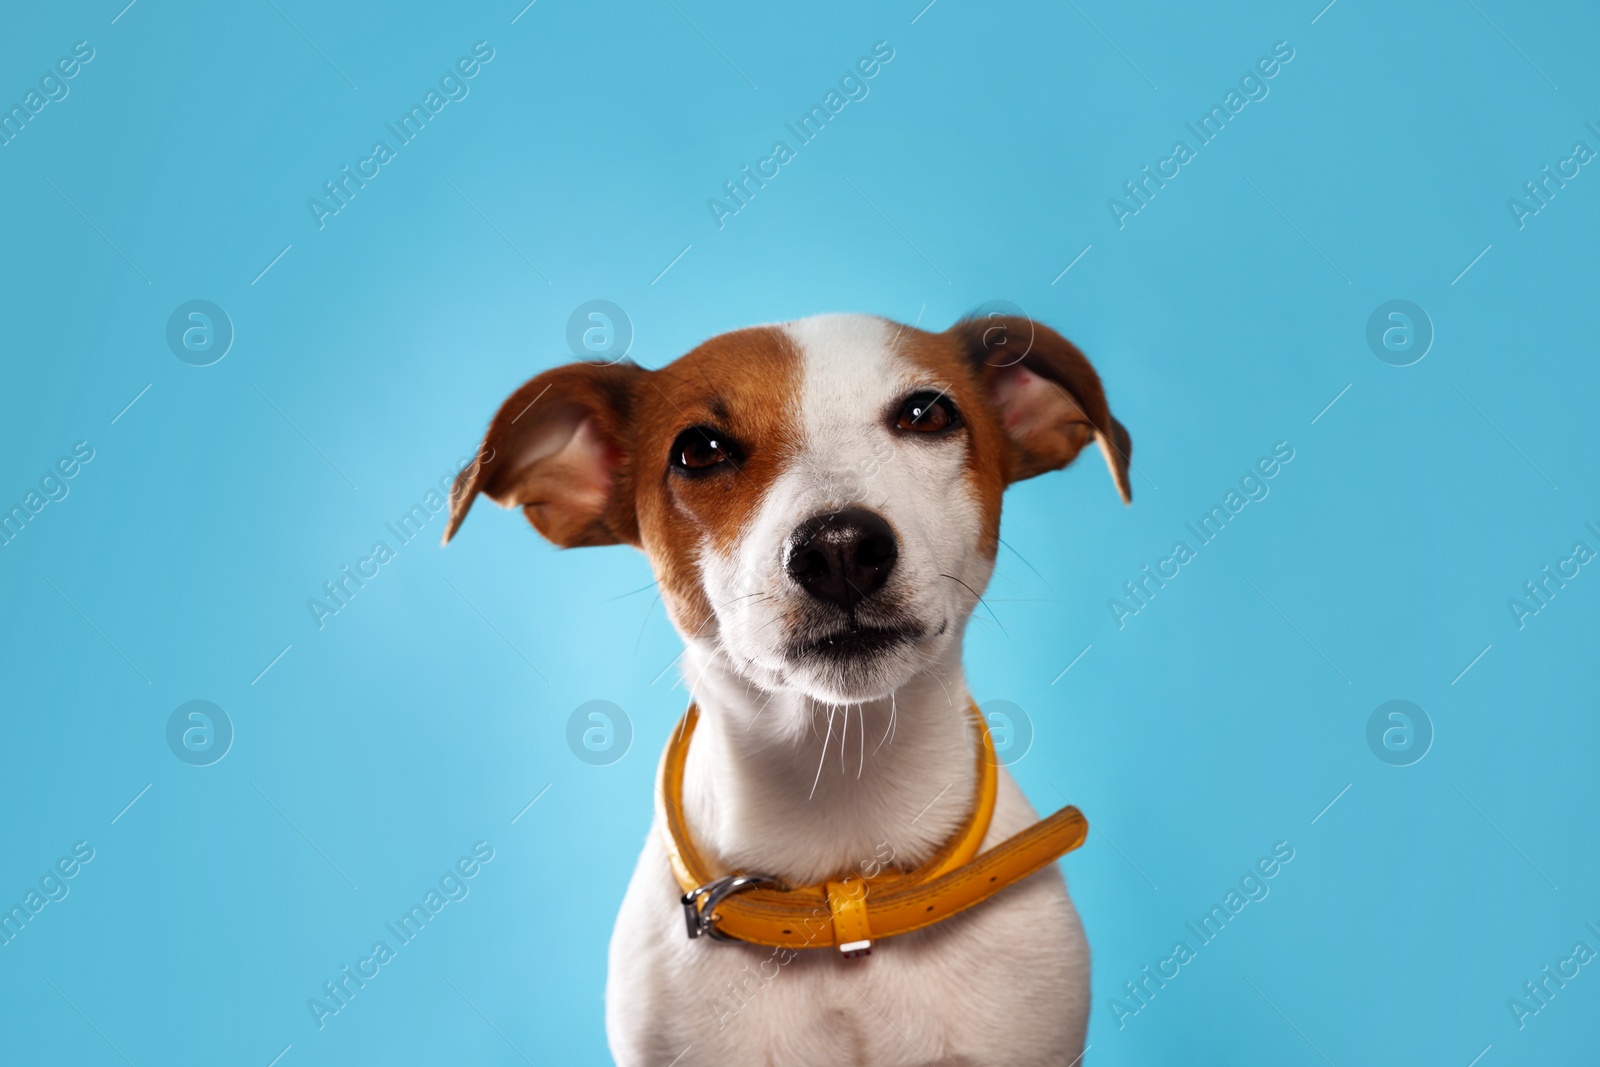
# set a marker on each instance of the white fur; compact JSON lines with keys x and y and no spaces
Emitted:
{"x":801,"y":773}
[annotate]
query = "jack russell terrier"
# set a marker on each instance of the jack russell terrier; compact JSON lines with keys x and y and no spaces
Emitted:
{"x":820,"y":502}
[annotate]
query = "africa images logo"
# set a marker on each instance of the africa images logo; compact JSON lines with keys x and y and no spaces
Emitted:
{"x":1253,"y":86}
{"x":453,"y":886}
{"x":852,"y":87}
{"x":1140,"y":992}
{"x":1141,"y":591}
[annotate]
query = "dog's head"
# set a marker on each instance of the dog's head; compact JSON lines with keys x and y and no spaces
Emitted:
{"x":820,"y":500}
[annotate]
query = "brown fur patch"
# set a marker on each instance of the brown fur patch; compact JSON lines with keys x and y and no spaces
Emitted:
{"x":949,"y":367}
{"x":584,"y":450}
{"x":745,"y":384}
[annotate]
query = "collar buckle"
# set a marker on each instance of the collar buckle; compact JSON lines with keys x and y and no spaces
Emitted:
{"x":700,"y":903}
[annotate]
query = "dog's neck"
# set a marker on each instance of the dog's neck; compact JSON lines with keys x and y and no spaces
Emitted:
{"x":771,"y":788}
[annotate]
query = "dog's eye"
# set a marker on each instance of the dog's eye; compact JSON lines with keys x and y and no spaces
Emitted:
{"x":699,"y":449}
{"x":927,"y":412}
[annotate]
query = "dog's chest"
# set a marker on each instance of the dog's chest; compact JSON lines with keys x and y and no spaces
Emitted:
{"x":1004,"y":983}
{"x":989,"y":988}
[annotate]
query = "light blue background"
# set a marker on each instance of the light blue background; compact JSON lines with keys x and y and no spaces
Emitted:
{"x":429,"y":712}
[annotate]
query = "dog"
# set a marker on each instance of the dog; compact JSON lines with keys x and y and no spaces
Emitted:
{"x":820,"y":503}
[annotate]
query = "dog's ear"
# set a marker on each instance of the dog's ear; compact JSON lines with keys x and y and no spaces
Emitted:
{"x":1047,"y":396}
{"x":560,"y":448}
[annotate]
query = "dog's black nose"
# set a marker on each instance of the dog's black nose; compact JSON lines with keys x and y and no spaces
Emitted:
{"x":843,"y":557}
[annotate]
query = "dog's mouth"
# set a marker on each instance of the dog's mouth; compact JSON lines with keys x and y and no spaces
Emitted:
{"x":856,"y":642}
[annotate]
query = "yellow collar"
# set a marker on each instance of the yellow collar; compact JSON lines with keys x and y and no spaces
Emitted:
{"x":853,"y":911}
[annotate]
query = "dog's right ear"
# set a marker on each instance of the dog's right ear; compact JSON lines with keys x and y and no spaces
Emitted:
{"x":560,"y":448}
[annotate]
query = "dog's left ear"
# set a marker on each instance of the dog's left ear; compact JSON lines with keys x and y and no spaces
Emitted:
{"x":1047,"y":395}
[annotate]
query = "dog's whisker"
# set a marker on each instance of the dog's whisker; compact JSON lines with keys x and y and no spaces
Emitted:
{"x":775,"y":620}
{"x":701,"y":628}
{"x":770,"y":697}
{"x":1025,"y":562}
{"x":862,"y":743}
{"x":621,"y":596}
{"x":718,"y":644}
{"x":888,"y":729}
{"x":844,"y":735}
{"x":695,"y":686}
{"x":640,"y":639}
{"x":824,"y":757}
{"x":979,"y":598}
{"x":698,"y":630}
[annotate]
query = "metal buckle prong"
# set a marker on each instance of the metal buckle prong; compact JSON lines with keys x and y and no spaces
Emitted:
{"x":700,"y":903}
